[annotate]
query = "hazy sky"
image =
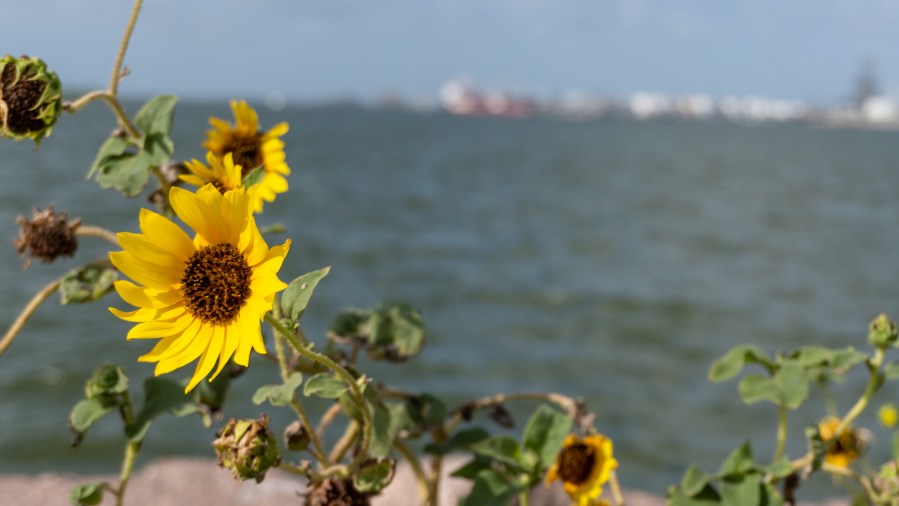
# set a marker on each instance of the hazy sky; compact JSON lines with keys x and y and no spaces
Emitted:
{"x":307,"y":49}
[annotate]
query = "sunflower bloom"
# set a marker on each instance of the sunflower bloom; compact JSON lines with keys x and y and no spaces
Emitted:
{"x":204,"y":298}
{"x":221,"y":173}
{"x":842,"y":449}
{"x":251,"y":148}
{"x":583,"y":466}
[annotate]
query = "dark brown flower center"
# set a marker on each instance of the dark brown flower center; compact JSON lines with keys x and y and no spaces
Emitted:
{"x":576,"y":463}
{"x":246,"y":150}
{"x":22,"y":100}
{"x":216,"y":283}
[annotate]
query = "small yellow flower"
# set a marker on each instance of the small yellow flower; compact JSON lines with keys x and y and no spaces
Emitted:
{"x":583,"y":466}
{"x":251,"y":148}
{"x":888,"y":415}
{"x":204,"y":298}
{"x":221,"y":173}
{"x":842,"y":449}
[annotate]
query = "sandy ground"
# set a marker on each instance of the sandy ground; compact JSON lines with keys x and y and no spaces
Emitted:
{"x":177,"y":482}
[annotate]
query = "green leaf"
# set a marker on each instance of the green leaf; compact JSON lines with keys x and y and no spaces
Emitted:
{"x":744,"y":491}
{"x":84,"y":414}
{"x":296,"y":296}
{"x":397,"y":332}
{"x":161,"y":396}
{"x":107,"y":385}
{"x":788,"y":387}
{"x":461,"y":440}
{"x":891,"y":371}
{"x":470,"y":470}
{"x":694,"y":481}
{"x":90,"y":494}
{"x":87,"y":284}
{"x":155,"y":117}
{"x":545,"y":432}
{"x":128,"y":173}
{"x":733,"y":361}
{"x":381,"y":438}
{"x":255,"y":176}
{"x":372,"y":477}
{"x":810,"y":356}
{"x":501,"y":448}
{"x":847,"y":358}
{"x":490,"y":489}
{"x":426,"y":410}
{"x":707,"y":496}
{"x":770,"y":496}
{"x":780,"y":469}
{"x":739,"y":462}
{"x":159,"y":148}
{"x":113,"y":147}
{"x":325,"y":385}
{"x":279,"y":395}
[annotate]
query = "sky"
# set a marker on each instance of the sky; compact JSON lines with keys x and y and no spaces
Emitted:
{"x":809,"y":50}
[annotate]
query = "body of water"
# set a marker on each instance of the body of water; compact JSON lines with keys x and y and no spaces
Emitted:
{"x":609,"y":260}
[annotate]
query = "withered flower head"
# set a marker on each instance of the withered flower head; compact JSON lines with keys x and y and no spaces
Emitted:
{"x":47,"y":235}
{"x":335,"y":492}
{"x":30,"y":98}
{"x":296,"y":437}
{"x":247,"y":448}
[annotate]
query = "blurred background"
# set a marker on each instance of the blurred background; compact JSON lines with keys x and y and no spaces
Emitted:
{"x":592,"y":198}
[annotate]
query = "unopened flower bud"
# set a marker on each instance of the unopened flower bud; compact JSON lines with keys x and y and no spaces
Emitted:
{"x":886,"y":481}
{"x":47,"y":235}
{"x":335,"y":492}
{"x":296,"y":437}
{"x":107,"y":385}
{"x":247,"y":448}
{"x":882,"y":331}
{"x":30,"y":98}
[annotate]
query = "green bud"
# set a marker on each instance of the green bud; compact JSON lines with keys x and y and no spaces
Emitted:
{"x":882,"y":331}
{"x":296,"y":437}
{"x":887,"y":480}
{"x":30,"y":98}
{"x":87,"y":495}
{"x":247,"y":448}
{"x":107,"y":385}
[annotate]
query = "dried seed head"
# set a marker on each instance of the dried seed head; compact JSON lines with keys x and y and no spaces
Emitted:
{"x":30,"y":98}
{"x":296,"y":437}
{"x":247,"y":448}
{"x":46,"y":236}
{"x":335,"y":492}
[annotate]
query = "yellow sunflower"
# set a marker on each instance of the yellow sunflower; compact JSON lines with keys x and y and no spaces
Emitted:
{"x":842,"y":449}
{"x":221,"y":173}
{"x":251,"y":148}
{"x":583,"y":466}
{"x":202,"y":298}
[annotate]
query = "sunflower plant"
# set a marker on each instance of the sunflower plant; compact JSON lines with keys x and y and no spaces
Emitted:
{"x":834,"y":445}
{"x":203,"y":282}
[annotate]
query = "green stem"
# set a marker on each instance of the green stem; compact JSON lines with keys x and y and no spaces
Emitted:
{"x":523,"y":498}
{"x":343,"y":373}
{"x":131,"y":452}
{"x":781,"y":433}
{"x":345,"y":441}
{"x":420,"y":477}
{"x":114,"y":104}
{"x":874,"y":383}
{"x":123,"y":47}
{"x":29,"y":309}
{"x":297,"y":407}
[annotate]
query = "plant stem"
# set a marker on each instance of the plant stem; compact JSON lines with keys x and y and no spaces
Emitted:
{"x":349,"y":435}
{"x":123,"y":46}
{"x":420,"y":477}
{"x":297,"y":407}
{"x":781,"y":433}
{"x":131,"y":452}
{"x":565,"y":402}
{"x":616,"y":489}
{"x":874,"y":383}
{"x":26,"y":313}
{"x":102,"y":233}
{"x":343,"y":373}
{"x":523,"y":498}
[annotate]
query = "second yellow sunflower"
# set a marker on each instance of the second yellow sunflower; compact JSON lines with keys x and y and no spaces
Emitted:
{"x":251,"y":148}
